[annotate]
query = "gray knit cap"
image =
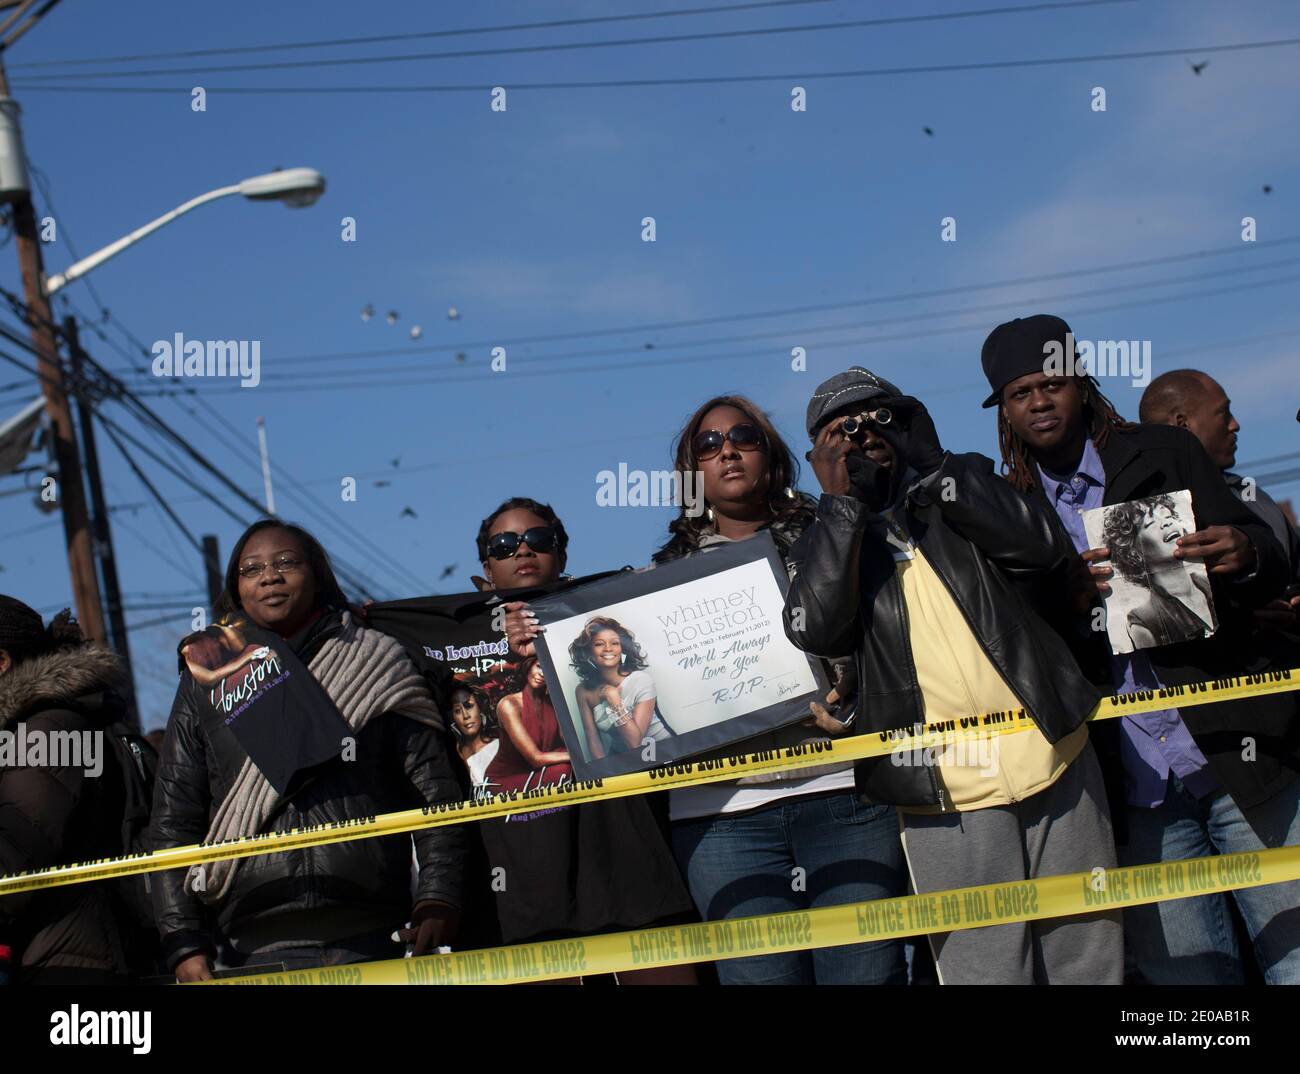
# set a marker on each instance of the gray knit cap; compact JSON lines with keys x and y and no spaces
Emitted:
{"x":855,"y":385}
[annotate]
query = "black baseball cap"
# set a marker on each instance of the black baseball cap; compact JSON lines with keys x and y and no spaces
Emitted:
{"x":1019,"y":347}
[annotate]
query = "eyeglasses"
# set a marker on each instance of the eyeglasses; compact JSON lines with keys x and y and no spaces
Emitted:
{"x":746,"y":437}
{"x":282,"y":565}
{"x":505,"y":544}
{"x":855,"y":423}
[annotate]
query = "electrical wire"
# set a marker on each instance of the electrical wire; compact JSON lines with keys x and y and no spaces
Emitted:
{"x":792,"y":333}
{"x":660,"y":362}
{"x":425,"y":34}
{"x":576,"y":46}
{"x":700,"y":80}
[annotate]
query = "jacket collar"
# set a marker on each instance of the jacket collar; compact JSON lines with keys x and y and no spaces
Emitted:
{"x":56,"y":680}
{"x":1120,"y":452}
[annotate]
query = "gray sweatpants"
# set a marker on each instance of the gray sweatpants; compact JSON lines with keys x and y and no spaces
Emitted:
{"x":1064,"y":829}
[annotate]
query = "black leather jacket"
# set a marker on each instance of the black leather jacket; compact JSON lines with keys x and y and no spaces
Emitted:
{"x":981,"y":537}
{"x":320,"y":893}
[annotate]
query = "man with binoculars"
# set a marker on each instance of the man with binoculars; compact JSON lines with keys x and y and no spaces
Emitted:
{"x":912,"y":566}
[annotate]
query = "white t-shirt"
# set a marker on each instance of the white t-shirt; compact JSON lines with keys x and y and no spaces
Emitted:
{"x":636,"y":687}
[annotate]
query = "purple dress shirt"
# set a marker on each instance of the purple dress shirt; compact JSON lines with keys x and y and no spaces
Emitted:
{"x":1154,"y":743}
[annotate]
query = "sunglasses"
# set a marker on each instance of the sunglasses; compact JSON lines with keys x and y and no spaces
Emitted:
{"x":854,"y":424}
{"x":505,"y":544}
{"x":746,"y":437}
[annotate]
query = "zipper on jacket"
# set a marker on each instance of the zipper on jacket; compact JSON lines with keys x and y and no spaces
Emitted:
{"x":983,"y":648}
{"x":911,"y":670}
{"x":137,"y":759}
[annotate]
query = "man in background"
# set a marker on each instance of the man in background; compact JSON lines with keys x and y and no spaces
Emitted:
{"x":1195,"y":401}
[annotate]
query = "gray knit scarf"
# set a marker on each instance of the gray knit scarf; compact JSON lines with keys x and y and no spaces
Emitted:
{"x":365,"y":673}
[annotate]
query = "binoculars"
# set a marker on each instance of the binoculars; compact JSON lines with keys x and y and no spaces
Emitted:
{"x":853,"y":425}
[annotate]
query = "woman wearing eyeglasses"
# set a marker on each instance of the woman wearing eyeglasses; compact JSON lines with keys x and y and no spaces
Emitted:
{"x":350,"y":725}
{"x":580,"y":870}
{"x":743,"y":844}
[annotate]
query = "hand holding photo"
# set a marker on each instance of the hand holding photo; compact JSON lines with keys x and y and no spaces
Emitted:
{"x":1156,"y":598}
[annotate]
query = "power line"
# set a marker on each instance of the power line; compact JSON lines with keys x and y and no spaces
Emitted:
{"x":575,"y":46}
{"x":425,"y":34}
{"x":355,"y":577}
{"x":365,"y":586}
{"x":1266,"y":462}
{"x":800,"y":332}
{"x":789,"y":311}
{"x":606,"y":367}
{"x":700,"y":80}
{"x":188,"y":571}
{"x":112,"y":430}
{"x":361,"y":544}
{"x":160,"y":621}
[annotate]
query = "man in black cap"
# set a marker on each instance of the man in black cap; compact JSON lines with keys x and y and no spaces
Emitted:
{"x":1214,"y":778}
{"x":910,"y":567}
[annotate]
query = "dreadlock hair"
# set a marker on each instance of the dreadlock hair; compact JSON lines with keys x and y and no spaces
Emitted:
{"x":1099,"y":418}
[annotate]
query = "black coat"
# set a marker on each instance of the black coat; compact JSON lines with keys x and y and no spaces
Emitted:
{"x":1151,"y":459}
{"x":321,"y":893}
{"x":981,"y":537}
{"x":56,"y":814}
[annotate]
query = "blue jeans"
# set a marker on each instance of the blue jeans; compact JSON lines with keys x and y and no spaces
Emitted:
{"x":740,"y":864}
{"x":1192,"y":941}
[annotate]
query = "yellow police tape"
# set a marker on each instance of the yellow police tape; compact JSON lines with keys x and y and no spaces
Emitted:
{"x":686,"y":774}
{"x":802,"y":930}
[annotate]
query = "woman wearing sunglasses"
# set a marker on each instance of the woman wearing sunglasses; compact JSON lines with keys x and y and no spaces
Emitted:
{"x":746,"y":845}
{"x":579,"y":870}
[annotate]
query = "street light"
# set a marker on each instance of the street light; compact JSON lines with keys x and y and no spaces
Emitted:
{"x":296,"y":187}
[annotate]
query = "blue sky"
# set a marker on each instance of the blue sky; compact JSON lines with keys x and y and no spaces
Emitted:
{"x":528,"y":221}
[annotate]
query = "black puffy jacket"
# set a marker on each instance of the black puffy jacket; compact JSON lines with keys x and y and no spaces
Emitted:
{"x":981,"y":537}
{"x":321,"y":893}
{"x":53,"y":814}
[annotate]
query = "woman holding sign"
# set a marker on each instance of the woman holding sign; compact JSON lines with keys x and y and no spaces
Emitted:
{"x":792,"y":840}
{"x":578,"y":870}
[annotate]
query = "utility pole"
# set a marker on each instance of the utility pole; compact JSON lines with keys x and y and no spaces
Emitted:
{"x":71,"y":495}
{"x":102,"y":533}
